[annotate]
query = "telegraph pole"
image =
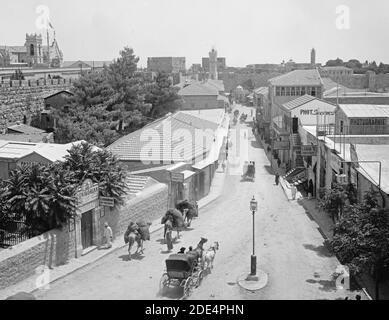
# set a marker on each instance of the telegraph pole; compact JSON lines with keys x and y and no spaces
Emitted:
{"x":317,"y":156}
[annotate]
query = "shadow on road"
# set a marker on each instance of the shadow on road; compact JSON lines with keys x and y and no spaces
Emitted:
{"x":137,"y":256}
{"x":256,"y":145}
{"x":326,"y":285}
{"x":322,"y":250}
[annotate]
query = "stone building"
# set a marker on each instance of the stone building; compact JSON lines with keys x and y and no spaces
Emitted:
{"x":32,"y":53}
{"x":166,"y":64}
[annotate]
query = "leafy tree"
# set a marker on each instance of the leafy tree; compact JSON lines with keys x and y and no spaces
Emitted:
{"x":333,"y":201}
{"x":353,"y":64}
{"x":162,"y":96}
{"x":335,"y":63}
{"x":361,"y":239}
{"x":114,"y":102}
{"x":99,"y":166}
{"x":32,"y":196}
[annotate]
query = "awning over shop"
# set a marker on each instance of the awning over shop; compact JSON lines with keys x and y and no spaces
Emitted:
{"x":298,"y":177}
{"x":204,"y":163}
{"x":188,"y":174}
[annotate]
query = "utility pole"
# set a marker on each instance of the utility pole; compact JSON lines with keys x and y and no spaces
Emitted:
{"x":48,"y":46}
{"x":317,"y":156}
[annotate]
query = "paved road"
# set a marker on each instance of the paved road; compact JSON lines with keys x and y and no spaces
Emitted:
{"x":289,"y":249}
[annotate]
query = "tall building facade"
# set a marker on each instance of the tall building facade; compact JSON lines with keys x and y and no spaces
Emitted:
{"x":33,"y":53}
{"x":313,"y":57}
{"x":166,"y":64}
{"x":213,"y":65}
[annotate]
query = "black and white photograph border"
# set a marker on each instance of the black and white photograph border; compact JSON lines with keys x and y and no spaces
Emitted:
{"x":185,"y":150}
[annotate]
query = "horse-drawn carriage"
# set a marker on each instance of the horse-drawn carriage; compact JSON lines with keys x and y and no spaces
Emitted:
{"x":243,"y":117}
{"x":184,"y":270}
{"x":249,"y":171}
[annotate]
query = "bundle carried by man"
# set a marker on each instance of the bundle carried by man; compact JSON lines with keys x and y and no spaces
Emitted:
{"x":132,"y":228}
{"x":144,"y":229}
{"x":186,"y":204}
{"x":175,"y":216}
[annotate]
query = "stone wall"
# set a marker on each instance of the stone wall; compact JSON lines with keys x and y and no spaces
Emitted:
{"x":51,"y":249}
{"x":149,"y":205}
{"x":57,"y":247}
{"x":25,"y":98}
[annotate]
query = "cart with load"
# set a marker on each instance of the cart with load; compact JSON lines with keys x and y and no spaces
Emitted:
{"x":249,"y":171}
{"x":182,"y":270}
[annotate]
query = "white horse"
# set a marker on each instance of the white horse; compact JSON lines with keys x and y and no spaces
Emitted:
{"x":209,"y":255}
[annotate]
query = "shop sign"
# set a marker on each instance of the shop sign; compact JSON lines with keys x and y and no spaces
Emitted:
{"x":87,"y":196}
{"x":308,"y":150}
{"x":107,"y":202}
{"x":177,"y":177}
{"x":281,"y":145}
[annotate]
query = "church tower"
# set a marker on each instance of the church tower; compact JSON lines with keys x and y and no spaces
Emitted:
{"x":213,"y":65}
{"x":34,"y":49}
{"x":313,"y":57}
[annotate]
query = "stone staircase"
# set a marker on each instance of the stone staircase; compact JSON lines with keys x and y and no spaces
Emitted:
{"x":296,"y":141}
{"x":136,"y":183}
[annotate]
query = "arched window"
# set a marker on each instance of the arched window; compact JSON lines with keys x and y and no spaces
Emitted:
{"x":32,"y":51}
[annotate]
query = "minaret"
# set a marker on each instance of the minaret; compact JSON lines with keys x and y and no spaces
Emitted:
{"x":213,"y":64}
{"x":313,"y":57}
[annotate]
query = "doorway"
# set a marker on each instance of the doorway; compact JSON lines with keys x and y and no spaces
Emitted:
{"x":295,"y":125}
{"x":86,"y":229}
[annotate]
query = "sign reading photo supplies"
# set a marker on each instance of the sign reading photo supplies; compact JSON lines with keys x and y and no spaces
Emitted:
{"x":87,"y":196}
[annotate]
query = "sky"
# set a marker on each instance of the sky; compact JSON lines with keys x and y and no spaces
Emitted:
{"x":243,"y":31}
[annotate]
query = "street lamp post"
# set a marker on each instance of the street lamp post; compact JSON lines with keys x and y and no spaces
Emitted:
{"x":253,"y":208}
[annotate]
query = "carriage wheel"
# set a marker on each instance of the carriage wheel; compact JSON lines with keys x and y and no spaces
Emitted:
{"x":163,"y":283}
{"x":200,"y":278}
{"x":189,"y":283}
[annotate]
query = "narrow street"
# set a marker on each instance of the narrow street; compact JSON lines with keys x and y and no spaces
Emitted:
{"x":289,"y":249}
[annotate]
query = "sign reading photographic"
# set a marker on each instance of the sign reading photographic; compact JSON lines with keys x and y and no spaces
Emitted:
{"x":308,"y":150}
{"x":281,"y":145}
{"x":87,"y":196}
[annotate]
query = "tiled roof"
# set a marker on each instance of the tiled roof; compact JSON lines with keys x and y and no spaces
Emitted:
{"x":36,"y":137}
{"x":298,"y":102}
{"x":179,"y":131}
{"x":213,"y":115}
{"x":23,"y":128}
{"x":75,"y":64}
{"x":336,"y":68}
{"x":262,"y":90}
{"x":298,"y":78}
{"x":51,"y":151}
{"x":218,"y":84}
{"x":136,"y":183}
{"x":198,"y":89}
{"x":365,"y":110}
